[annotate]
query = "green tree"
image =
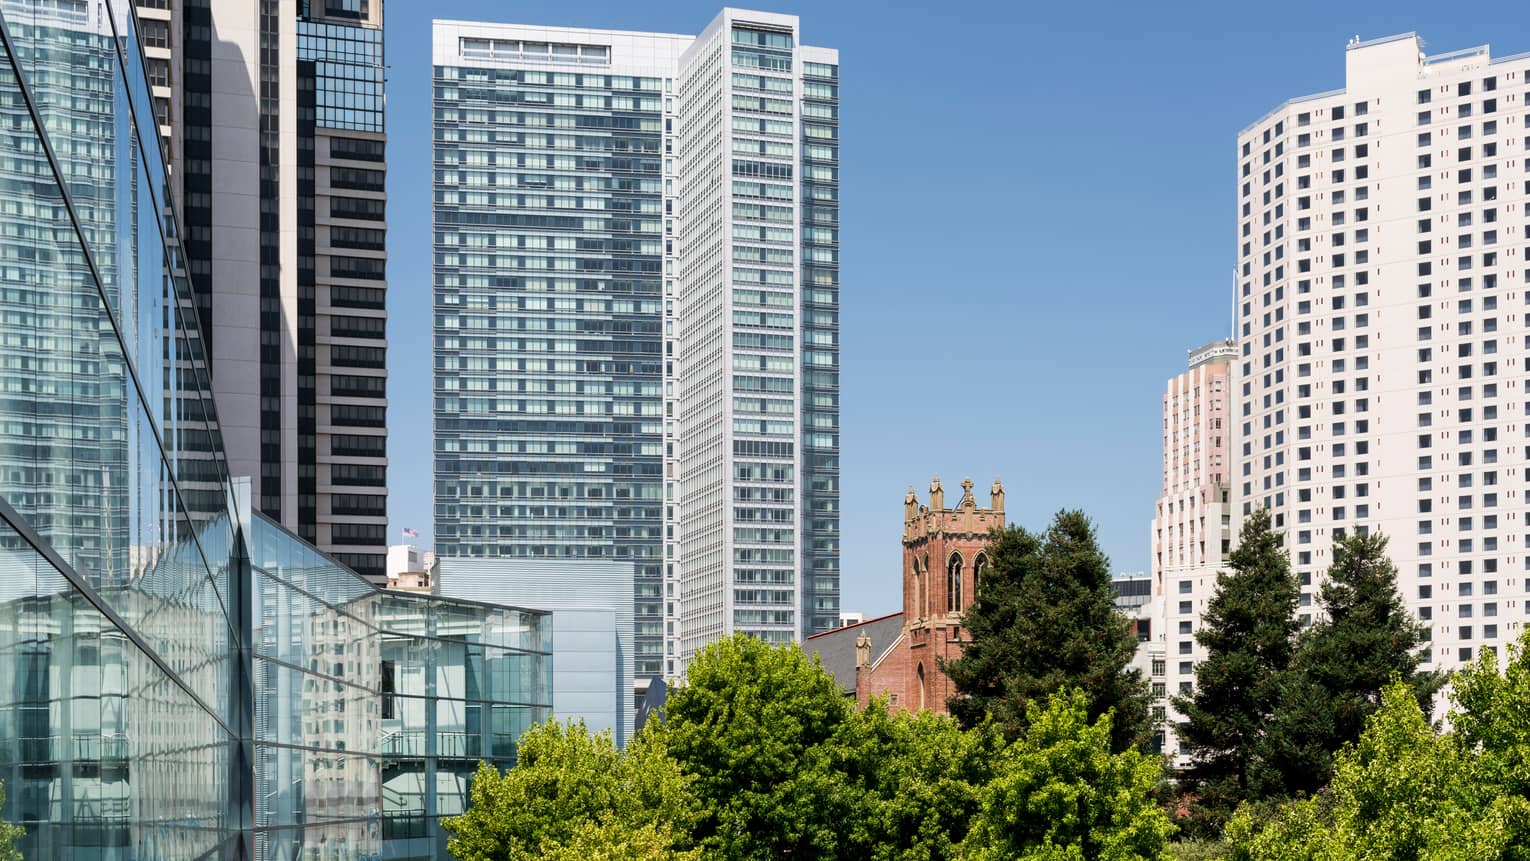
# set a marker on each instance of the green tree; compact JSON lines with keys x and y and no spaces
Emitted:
{"x":1248,"y":632}
{"x":1403,"y":793}
{"x":760,"y":729}
{"x":571,"y":789}
{"x":614,"y":841}
{"x":921,"y":777}
{"x":1060,"y":793}
{"x":1365,"y":638}
{"x":9,"y":835}
{"x":1492,"y":717}
{"x":1045,"y":619}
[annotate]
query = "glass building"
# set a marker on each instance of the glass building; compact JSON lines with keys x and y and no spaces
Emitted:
{"x":181,"y":677}
{"x":372,"y":708}
{"x":549,"y":248}
{"x":637,"y":316}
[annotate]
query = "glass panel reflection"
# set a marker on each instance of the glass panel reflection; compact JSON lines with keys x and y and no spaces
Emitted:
{"x":147,"y":618}
{"x":388,"y":688}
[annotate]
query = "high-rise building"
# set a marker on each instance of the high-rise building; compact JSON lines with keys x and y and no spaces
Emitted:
{"x":636,"y":333}
{"x":757,"y":355}
{"x":1192,"y":525}
{"x":1381,"y":245}
{"x":272,"y":113}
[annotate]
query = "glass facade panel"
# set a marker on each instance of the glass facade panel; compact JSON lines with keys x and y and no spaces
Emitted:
{"x":549,"y":354}
{"x":348,"y":74}
{"x":181,"y":678}
{"x":362,"y":696}
{"x":820,"y":346}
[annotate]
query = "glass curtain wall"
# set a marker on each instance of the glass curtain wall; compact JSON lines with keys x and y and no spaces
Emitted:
{"x":177,"y":680}
{"x":121,"y":661}
{"x":373,"y":708}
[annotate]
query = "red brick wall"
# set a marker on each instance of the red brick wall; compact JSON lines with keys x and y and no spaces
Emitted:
{"x":932,"y":630}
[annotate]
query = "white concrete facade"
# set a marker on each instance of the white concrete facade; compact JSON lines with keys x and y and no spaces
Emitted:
{"x":739,"y":455}
{"x":1381,"y":296}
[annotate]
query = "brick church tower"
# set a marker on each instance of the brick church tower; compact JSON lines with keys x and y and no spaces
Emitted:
{"x":943,"y":562}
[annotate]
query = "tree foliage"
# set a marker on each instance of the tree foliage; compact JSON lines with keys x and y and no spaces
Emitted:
{"x":1364,"y":638}
{"x":1043,"y":620}
{"x":1247,"y":632}
{"x":573,"y":791}
{"x":756,"y":725}
{"x":921,"y":778}
{"x":759,"y":756}
{"x":614,"y":841}
{"x":1492,"y":717}
{"x":1060,"y":793}
{"x":1409,"y":791}
{"x":10,"y":835}
{"x":1403,"y":792}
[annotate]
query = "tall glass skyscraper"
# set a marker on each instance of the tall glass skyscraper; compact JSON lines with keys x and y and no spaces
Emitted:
{"x":549,"y":248}
{"x":757,"y":447}
{"x":636,"y":330}
{"x":180,"y":676}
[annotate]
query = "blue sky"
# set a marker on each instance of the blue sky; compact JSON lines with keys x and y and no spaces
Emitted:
{"x":1038,"y":222}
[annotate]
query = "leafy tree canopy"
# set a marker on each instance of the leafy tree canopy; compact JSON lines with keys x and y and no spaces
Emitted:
{"x":1409,"y":791}
{"x":757,"y":726}
{"x":570,"y":788}
{"x":1060,"y":793}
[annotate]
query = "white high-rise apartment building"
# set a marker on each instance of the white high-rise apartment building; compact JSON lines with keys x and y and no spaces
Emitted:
{"x":1381,"y":311}
{"x":671,"y":203}
{"x":757,"y":359}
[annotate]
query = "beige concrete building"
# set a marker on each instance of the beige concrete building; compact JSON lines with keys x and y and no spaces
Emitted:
{"x":1192,"y":523}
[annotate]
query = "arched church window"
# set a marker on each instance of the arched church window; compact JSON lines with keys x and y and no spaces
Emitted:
{"x":954,"y":583}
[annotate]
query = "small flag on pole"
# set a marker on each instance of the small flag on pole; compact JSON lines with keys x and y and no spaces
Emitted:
{"x":411,"y":533}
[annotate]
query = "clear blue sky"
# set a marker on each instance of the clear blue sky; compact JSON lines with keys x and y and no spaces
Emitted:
{"x":1038,"y":222}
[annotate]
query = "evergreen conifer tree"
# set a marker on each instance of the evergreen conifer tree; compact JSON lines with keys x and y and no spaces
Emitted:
{"x":1044,"y":619}
{"x":1248,"y":631}
{"x":1365,"y":638}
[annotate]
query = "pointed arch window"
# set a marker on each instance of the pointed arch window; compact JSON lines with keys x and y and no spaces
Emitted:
{"x":918,"y":588}
{"x":924,"y":590}
{"x":954,"y":583}
{"x":979,"y":569}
